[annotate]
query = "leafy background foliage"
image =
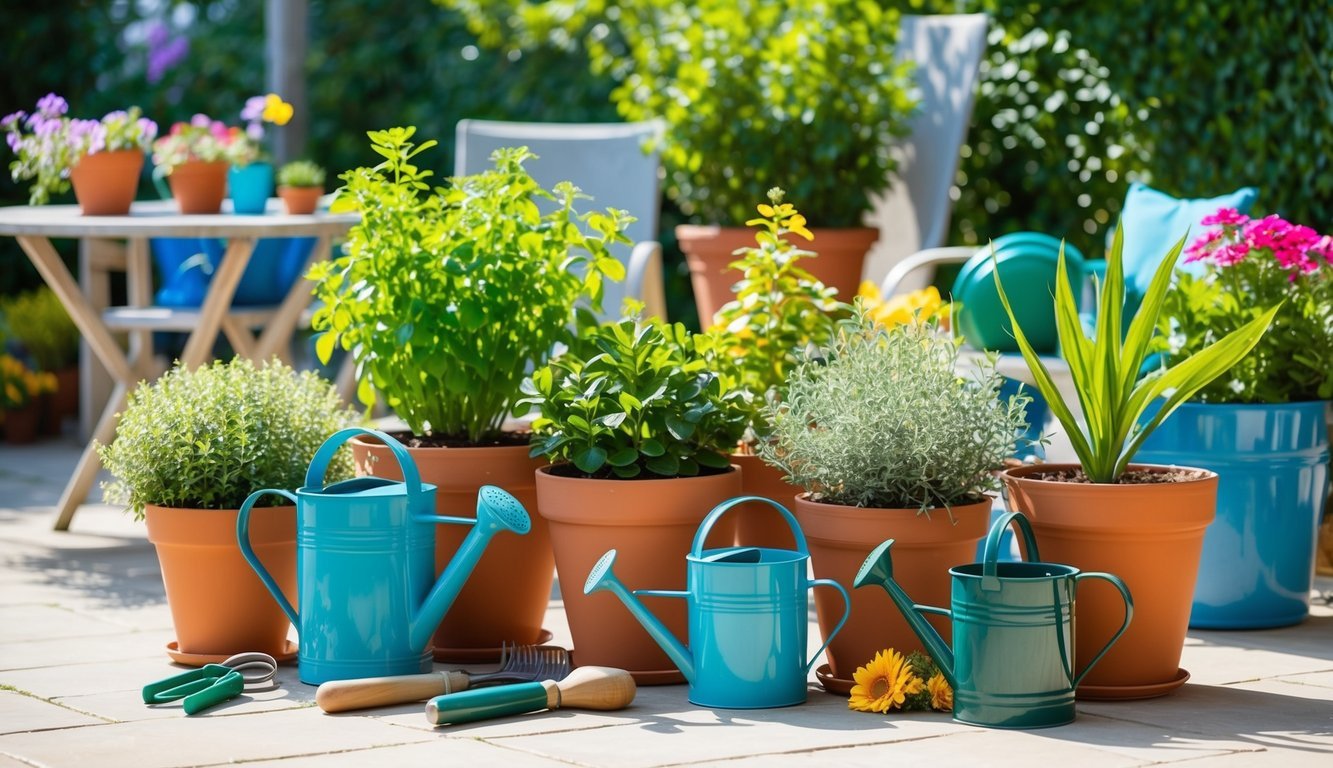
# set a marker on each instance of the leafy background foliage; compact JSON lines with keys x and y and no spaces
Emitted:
{"x":1077,"y":98}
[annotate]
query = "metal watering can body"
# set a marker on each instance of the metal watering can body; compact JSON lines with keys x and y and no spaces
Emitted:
{"x":365,"y":565}
{"x":748,"y":618}
{"x":1012,"y":662}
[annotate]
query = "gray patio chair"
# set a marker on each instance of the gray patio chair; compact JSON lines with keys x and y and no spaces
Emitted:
{"x":606,"y":161}
{"x":913,"y":214}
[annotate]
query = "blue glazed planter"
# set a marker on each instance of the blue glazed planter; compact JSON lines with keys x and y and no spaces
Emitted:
{"x":1272,"y":465}
{"x":251,"y":186}
{"x":185,"y":266}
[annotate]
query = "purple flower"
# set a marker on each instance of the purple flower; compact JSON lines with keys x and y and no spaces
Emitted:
{"x":52,"y":105}
{"x":254,"y":109}
{"x":201,"y":120}
{"x":164,"y":57}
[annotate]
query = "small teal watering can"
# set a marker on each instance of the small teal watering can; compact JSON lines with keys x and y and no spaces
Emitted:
{"x":749,"y":617}
{"x":365,"y":565}
{"x":1012,"y":664}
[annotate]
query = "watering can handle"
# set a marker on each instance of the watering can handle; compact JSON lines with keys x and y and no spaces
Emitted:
{"x":248,"y":551}
{"x":989,"y":581}
{"x":314,"y":477}
{"x":1129,"y":614}
{"x":721,"y":509}
{"x":846,"y":613}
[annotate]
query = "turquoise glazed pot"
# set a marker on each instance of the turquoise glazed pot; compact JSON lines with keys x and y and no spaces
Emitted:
{"x":1272,"y":465}
{"x":251,"y":186}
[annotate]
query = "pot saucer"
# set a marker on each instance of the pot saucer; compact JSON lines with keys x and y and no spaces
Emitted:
{"x":481,"y":655}
{"x":671,"y":676}
{"x":289,"y":650}
{"x":834,"y":685}
{"x":1131,"y":692}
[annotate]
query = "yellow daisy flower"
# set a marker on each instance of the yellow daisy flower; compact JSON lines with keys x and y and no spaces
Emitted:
{"x":276,"y":110}
{"x":941,"y":695}
{"x":882,"y":684}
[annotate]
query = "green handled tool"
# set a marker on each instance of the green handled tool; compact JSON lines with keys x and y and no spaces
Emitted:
{"x":212,"y":683}
{"x":602,"y":688}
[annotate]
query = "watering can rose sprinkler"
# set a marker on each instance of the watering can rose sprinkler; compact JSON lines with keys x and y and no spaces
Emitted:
{"x":365,"y":565}
{"x":1012,"y":661}
{"x":748,"y":618}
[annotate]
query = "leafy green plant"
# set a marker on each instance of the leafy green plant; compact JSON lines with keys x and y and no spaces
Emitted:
{"x":447,"y":297}
{"x":1250,"y":264}
{"x":39,"y":322}
{"x":206,"y":439}
{"x":301,"y":173}
{"x":1105,"y":369}
{"x":635,"y":399}
{"x":808,"y":91}
{"x":779,"y":311}
{"x":887,"y":421}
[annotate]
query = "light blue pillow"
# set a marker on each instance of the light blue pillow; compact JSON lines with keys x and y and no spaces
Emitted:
{"x":1153,"y":221}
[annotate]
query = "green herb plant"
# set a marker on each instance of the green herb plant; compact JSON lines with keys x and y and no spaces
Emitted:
{"x":301,"y":173}
{"x":446,"y":298}
{"x":887,"y":420}
{"x":779,"y":312}
{"x":39,"y":322}
{"x":205,"y":439}
{"x":635,"y":399}
{"x":1105,"y":368}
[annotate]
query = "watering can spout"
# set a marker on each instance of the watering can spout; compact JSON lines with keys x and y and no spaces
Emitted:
{"x":602,"y":578}
{"x":496,"y":511}
{"x":878,"y":569}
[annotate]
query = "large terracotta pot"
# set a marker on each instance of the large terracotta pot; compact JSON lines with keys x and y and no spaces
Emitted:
{"x":925,"y":548}
{"x":199,"y":187}
{"x":300,"y":200}
{"x":505,"y":597}
{"x":66,"y":398}
{"x":219,"y":606}
{"x":105,"y":183}
{"x":23,"y":424}
{"x":710,"y":249}
{"x":651,"y":524}
{"x":758,"y":525}
{"x":1151,"y":536}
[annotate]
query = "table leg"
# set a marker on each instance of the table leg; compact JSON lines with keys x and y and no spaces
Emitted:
{"x":220,"y":291}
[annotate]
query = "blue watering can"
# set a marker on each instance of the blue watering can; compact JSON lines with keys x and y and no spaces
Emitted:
{"x":365,"y":565}
{"x":749,"y":616}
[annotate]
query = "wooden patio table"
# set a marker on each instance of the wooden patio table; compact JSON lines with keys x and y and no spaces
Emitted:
{"x":34,"y":226}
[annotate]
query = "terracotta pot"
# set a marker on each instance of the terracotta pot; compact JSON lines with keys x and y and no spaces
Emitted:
{"x":22,"y":425}
{"x":758,"y":525}
{"x":66,"y":397}
{"x":1151,"y":536}
{"x":105,"y":183}
{"x":300,"y":200}
{"x":926,"y":548}
{"x":218,"y":604}
{"x":199,"y":187}
{"x":505,"y":597}
{"x":651,"y":523}
{"x":709,"y":249}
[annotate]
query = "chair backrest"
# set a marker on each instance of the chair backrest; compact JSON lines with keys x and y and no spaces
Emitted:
{"x":914,"y":213}
{"x":606,"y":160}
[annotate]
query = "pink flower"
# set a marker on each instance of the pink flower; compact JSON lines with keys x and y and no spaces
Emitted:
{"x":1225,"y":217}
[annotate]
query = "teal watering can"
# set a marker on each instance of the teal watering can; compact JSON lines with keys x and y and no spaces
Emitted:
{"x":365,"y":565}
{"x":1012,"y":664}
{"x":749,"y":616}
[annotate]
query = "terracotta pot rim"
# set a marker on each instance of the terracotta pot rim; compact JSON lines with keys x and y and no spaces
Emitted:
{"x":804,"y":498}
{"x":1021,"y":474}
{"x":370,"y":443}
{"x":713,"y":230}
{"x":546,"y":470}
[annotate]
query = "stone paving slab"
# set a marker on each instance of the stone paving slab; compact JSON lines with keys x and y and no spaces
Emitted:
{"x":19,"y":713}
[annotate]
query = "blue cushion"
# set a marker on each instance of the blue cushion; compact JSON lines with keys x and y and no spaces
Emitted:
{"x":1153,"y":221}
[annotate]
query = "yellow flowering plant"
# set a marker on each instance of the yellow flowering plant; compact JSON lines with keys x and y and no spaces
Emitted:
{"x":919,"y":306}
{"x":893,"y":681}
{"x":19,"y":385}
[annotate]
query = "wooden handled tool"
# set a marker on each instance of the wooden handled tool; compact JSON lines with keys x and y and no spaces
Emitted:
{"x":344,"y":695}
{"x":585,"y":688}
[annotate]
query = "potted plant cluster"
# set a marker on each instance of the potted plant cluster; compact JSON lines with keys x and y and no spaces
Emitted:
{"x":889,"y":440}
{"x":250,"y":178}
{"x":189,"y":449}
{"x":778,"y":313}
{"x":805,"y":90}
{"x":445,"y":299}
{"x":1262,"y":425}
{"x":194,"y":158}
{"x":21,"y":393}
{"x":1155,"y":516}
{"x":638,"y":428}
{"x":101,"y":159}
{"x":300,"y":183}
{"x":39,"y":324}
